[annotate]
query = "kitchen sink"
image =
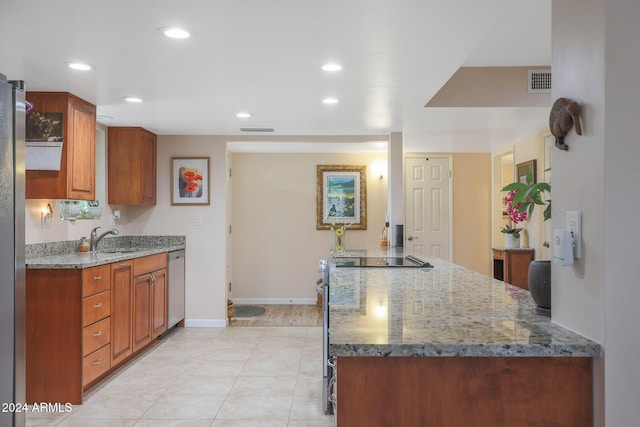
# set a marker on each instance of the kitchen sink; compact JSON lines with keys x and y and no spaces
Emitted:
{"x":120,"y":250}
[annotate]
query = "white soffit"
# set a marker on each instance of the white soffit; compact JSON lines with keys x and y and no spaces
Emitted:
{"x":307,"y":147}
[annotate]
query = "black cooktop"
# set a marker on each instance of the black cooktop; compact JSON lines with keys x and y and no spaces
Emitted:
{"x":408,"y":261}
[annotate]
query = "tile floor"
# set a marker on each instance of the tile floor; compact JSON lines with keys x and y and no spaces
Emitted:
{"x":236,"y":376}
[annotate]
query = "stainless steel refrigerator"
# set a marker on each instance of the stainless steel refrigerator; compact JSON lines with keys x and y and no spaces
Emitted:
{"x":12,"y":269}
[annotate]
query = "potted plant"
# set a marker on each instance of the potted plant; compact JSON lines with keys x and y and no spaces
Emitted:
{"x":512,"y":234}
{"x":529,"y":195}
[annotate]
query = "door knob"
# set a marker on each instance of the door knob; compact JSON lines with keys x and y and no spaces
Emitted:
{"x":411,"y":238}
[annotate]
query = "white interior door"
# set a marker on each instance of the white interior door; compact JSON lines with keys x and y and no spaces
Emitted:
{"x":427,"y":206}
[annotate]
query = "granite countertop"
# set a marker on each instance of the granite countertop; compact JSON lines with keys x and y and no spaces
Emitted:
{"x":446,"y":310}
{"x":61,"y":255}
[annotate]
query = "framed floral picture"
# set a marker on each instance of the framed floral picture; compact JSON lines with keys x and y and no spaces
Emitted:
{"x":189,"y":181}
{"x":341,"y":196}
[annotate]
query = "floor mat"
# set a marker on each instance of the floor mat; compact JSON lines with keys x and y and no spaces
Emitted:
{"x":248,"y":310}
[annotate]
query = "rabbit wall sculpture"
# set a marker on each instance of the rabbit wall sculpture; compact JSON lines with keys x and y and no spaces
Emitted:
{"x":565,"y":114}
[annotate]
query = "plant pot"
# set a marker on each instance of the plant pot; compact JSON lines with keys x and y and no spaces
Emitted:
{"x":510,"y":241}
{"x":539,"y":279}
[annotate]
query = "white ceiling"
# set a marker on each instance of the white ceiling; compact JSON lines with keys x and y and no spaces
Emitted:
{"x":265,"y":57}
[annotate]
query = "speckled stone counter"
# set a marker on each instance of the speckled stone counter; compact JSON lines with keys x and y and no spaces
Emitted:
{"x":111,"y":249}
{"x":447,"y":310}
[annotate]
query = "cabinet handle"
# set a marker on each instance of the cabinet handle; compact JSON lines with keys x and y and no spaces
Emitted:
{"x":97,"y":277}
{"x":97,"y":334}
{"x":97,"y":362}
{"x":97,"y":305}
{"x":123,"y":264}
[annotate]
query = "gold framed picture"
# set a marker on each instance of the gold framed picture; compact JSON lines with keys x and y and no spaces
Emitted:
{"x":341,"y":196}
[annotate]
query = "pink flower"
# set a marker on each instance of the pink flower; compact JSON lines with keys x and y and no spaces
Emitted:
{"x":513,"y":210}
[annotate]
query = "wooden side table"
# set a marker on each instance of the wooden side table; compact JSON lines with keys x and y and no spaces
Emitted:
{"x":512,"y":266}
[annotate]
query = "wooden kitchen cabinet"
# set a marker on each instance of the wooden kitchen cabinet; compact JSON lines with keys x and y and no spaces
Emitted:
{"x":68,"y":315}
{"x":81,"y":323}
{"x":159,"y":313}
{"x":121,"y":311}
{"x":132,"y":169}
{"x":149,"y":299}
{"x":512,"y":266}
{"x":464,"y":391}
{"x":76,"y":178}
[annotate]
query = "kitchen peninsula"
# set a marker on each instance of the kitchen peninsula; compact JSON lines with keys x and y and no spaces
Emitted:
{"x":446,"y":346}
{"x":88,"y":312}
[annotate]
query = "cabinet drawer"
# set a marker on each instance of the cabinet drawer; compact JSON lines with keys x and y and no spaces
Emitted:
{"x":96,"y":364}
{"x":149,"y":263}
{"x":498,"y":254}
{"x":96,"y":307}
{"x":96,"y":279}
{"x":96,"y":335}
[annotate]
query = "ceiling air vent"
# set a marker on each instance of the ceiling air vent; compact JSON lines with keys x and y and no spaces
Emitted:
{"x":539,"y":81}
{"x":256,"y":129}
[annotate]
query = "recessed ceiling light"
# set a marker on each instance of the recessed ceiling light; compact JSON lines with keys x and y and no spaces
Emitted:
{"x":332,"y":67}
{"x":243,"y":115}
{"x":133,"y":99}
{"x":330,"y":101}
{"x":79,"y":66}
{"x":175,"y":32}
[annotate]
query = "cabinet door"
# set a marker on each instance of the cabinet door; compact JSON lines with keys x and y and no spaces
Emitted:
{"x":131,"y":166}
{"x":81,"y":151}
{"x":76,"y":177}
{"x":121,"y":311}
{"x":141,"y":311}
{"x":159,"y":305}
{"x":148,"y":172}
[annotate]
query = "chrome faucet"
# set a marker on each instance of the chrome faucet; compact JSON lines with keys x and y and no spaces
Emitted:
{"x":95,"y":239}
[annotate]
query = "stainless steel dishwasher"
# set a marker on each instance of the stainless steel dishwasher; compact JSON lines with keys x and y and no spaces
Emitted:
{"x":176,"y":287}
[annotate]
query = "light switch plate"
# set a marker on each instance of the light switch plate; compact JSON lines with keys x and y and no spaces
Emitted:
{"x":574,"y":225}
{"x":197,"y":220}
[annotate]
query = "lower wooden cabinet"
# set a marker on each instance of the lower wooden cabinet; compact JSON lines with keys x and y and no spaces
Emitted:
{"x":149,"y":299}
{"x":68,"y":315}
{"x":159,"y":312}
{"x":82,"y":323}
{"x":464,"y":391}
{"x":512,"y":266}
{"x":121,"y":311}
{"x":96,"y":364}
{"x":141,"y":311}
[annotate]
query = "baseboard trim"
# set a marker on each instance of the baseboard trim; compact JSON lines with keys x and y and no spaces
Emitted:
{"x":274,"y":301}
{"x":205,"y":323}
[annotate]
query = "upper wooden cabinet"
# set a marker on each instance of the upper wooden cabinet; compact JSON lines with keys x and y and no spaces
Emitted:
{"x":132,"y":166}
{"x":76,"y":178}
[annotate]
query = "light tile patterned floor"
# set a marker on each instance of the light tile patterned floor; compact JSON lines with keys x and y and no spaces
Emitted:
{"x":231,"y":377}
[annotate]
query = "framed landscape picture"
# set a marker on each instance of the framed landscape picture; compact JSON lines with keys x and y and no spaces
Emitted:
{"x":524,"y":168}
{"x":189,"y":181}
{"x":341,"y":196}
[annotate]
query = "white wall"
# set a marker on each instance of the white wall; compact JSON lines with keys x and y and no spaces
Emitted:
{"x":578,"y":291}
{"x":578,"y":174}
{"x":205,"y":257}
{"x":620,"y":234}
{"x":596,"y":52}
{"x":276,"y":246}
